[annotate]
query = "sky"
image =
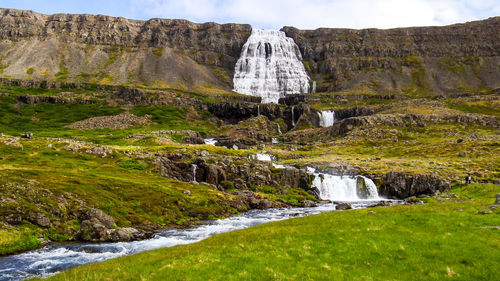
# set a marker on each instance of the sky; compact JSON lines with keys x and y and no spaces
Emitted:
{"x":274,"y":14}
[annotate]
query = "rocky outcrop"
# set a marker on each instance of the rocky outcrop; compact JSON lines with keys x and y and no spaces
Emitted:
{"x":161,"y":50}
{"x":437,"y":59}
{"x":240,"y":173}
{"x":402,"y":185}
{"x":408,"y":120}
{"x":345,"y":113}
{"x":96,"y":226}
{"x":120,"y":121}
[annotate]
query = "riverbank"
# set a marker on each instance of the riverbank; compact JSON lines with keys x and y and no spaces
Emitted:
{"x":444,"y":238}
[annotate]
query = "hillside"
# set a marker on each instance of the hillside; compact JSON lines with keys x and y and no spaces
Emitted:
{"x":112,"y":130}
{"x":181,"y":54}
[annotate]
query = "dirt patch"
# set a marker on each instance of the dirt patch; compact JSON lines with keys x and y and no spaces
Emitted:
{"x":121,"y":121}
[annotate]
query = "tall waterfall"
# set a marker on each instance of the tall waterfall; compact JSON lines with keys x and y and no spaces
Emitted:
{"x":343,"y":188}
{"x":270,"y":66}
{"x":326,"y":118}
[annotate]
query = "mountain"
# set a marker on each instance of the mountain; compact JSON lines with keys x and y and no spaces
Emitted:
{"x":180,"y":54}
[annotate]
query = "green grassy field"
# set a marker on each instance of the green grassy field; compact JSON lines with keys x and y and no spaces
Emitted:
{"x":443,"y":239}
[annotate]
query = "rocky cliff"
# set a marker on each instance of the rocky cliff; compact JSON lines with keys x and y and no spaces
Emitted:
{"x":460,"y":57}
{"x":185,"y":55}
{"x":109,"y":50}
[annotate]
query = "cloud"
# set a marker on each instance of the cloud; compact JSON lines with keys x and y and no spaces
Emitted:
{"x":310,"y":14}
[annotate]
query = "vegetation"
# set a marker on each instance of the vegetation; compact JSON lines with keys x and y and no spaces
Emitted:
{"x":443,"y":239}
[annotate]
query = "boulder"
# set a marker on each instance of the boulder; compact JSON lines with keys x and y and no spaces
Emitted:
{"x":39,"y":219}
{"x":27,"y":135}
{"x":497,"y":201}
{"x":402,"y":185}
{"x":308,"y":204}
{"x":342,"y":206}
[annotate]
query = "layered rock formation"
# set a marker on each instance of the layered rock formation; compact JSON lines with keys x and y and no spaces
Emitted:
{"x":433,"y":59}
{"x":181,"y":54}
{"x":105,"y":49}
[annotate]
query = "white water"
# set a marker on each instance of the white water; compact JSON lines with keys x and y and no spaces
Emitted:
{"x":275,"y":141}
{"x":341,"y":188}
{"x":270,"y":66}
{"x":279,"y":129}
{"x":263,"y":157}
{"x":326,"y":118}
{"x":194,"y":171}
{"x":210,"y":141}
{"x":293,"y":116}
{"x":55,"y":258}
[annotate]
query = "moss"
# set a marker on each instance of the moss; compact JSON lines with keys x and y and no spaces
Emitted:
{"x":30,"y":71}
{"x":158,"y":51}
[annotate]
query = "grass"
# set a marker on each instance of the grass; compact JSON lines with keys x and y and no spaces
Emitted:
{"x":39,"y":178}
{"x":15,"y":241}
{"x":429,"y":149}
{"x":441,"y":240}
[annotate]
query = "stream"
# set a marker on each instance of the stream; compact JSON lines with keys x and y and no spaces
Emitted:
{"x":58,"y":257}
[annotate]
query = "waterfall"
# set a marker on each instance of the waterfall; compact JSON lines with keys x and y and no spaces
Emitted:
{"x":270,"y":66}
{"x":293,"y":116}
{"x":258,"y":110}
{"x":194,"y":166}
{"x":326,"y":118}
{"x":210,"y":141}
{"x":313,"y":90}
{"x":279,"y":129}
{"x":343,"y":188}
{"x":275,"y":141}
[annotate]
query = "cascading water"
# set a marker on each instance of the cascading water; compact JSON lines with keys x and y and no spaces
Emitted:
{"x":326,"y":118}
{"x":195,"y":167}
{"x":270,"y":66}
{"x":342,"y":188}
{"x":293,"y":116}
{"x":279,"y":129}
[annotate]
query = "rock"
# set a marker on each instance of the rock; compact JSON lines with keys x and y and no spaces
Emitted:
{"x":265,"y":204}
{"x":462,"y":154}
{"x":124,"y":234}
{"x":187,"y":192}
{"x":497,"y":201}
{"x":73,"y":147}
{"x":460,"y":140}
{"x":27,"y":135}
{"x":370,"y":212}
{"x":96,"y":215}
{"x":484,"y":212}
{"x":308,"y":204}
{"x":14,"y":219}
{"x":341,"y":206}
{"x":39,"y":219}
{"x":361,"y":189}
{"x":384,"y":204}
{"x":402,"y":185}
{"x":99,"y":150}
{"x":194,"y":140}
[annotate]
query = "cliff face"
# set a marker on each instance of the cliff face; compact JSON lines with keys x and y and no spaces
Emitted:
{"x":117,"y":50}
{"x":459,"y":57}
{"x":182,"y":54}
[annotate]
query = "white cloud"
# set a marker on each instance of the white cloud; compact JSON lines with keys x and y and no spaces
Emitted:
{"x":308,"y":14}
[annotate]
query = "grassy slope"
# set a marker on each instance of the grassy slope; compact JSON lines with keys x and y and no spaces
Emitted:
{"x":430,"y":149}
{"x":437,"y":241}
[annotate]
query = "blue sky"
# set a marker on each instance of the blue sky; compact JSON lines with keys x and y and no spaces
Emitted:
{"x":274,"y":14}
